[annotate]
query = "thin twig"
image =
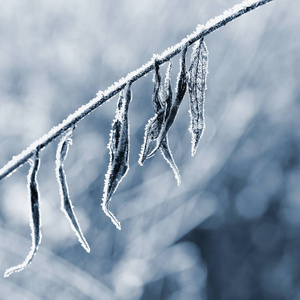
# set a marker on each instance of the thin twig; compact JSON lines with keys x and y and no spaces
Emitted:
{"x":101,"y":97}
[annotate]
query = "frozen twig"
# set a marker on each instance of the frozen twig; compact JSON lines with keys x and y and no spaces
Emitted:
{"x":101,"y":97}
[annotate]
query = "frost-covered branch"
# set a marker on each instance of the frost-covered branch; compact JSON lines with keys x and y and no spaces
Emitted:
{"x":102,"y":97}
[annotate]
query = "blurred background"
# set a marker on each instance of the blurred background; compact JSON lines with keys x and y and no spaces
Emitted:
{"x":230,"y":231}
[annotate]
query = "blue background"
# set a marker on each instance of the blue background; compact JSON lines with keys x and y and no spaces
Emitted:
{"x":230,"y":231}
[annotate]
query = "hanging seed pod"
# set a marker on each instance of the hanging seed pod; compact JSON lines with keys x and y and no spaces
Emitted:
{"x":119,"y":152}
{"x":66,"y":203}
{"x":197,"y":85}
{"x":35,"y":223}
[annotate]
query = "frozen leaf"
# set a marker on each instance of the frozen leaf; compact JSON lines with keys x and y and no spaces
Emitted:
{"x":197,"y":86}
{"x":152,"y":131}
{"x":181,"y":79}
{"x":167,"y":154}
{"x":168,"y":91}
{"x":179,"y":94}
{"x":170,"y":113}
{"x":164,"y":146}
{"x":35,"y":223}
{"x":66,"y":204}
{"x":162,"y":102}
{"x":157,"y":98}
{"x":119,"y":152}
{"x":154,"y":124}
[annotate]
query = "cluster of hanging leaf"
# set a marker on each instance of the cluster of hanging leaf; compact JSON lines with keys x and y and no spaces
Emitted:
{"x":156,"y":137}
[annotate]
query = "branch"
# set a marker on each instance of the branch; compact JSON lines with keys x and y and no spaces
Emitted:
{"x":101,"y":97}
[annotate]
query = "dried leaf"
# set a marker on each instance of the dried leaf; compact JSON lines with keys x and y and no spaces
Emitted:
{"x":164,"y":146}
{"x":154,"y":124}
{"x":119,"y":152}
{"x":179,"y":94}
{"x":157,"y":98}
{"x":168,"y":91}
{"x":197,"y":86}
{"x":152,"y":131}
{"x":162,"y":102}
{"x":167,"y":154}
{"x":35,"y":223}
{"x":66,"y":204}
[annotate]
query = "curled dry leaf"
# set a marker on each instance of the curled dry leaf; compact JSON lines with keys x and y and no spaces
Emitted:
{"x":152,"y":131}
{"x":157,"y":97}
{"x":179,"y":94}
{"x":119,"y":152}
{"x":35,"y":223}
{"x":167,"y":155}
{"x":154,"y":124}
{"x":197,"y":86}
{"x":66,"y":203}
{"x":168,"y":91}
{"x":162,"y":101}
{"x":164,"y":146}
